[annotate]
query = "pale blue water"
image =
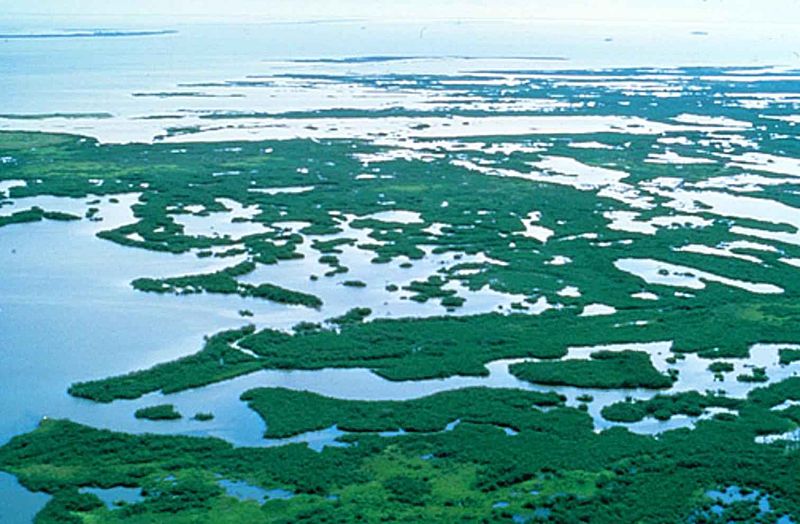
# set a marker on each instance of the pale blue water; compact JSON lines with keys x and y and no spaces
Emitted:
{"x":99,"y":74}
{"x":244,"y":491}
{"x":17,"y":504}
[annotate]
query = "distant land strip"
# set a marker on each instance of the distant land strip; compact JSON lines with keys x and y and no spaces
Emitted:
{"x":85,"y":34}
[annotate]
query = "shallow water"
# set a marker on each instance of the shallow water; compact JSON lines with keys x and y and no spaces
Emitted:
{"x":244,"y":491}
{"x":662,"y":273}
{"x":17,"y":504}
{"x":92,"y":75}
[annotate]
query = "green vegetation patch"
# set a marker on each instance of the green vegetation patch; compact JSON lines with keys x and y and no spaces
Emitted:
{"x":774,"y":394}
{"x":720,"y":367}
{"x":663,"y":407}
{"x":355,"y":315}
{"x":35,"y":214}
{"x":224,"y":282}
{"x":289,"y":412}
{"x":159,"y":412}
{"x":474,"y":472}
{"x":605,"y":369}
{"x":217,"y":361}
{"x":756,"y":375}
{"x":434,"y":347}
{"x":787,"y":356}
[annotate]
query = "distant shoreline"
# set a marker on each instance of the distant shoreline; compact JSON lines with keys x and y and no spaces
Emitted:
{"x":85,"y":34}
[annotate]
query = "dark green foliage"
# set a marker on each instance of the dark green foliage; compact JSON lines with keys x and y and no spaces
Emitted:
{"x":224,"y":282}
{"x":433,"y":288}
{"x":59,"y":216}
{"x":66,"y":506}
{"x":306,"y":327}
{"x":556,"y":461}
{"x":777,"y":393}
{"x":329,"y":260}
{"x":758,"y":375}
{"x":720,"y":367}
{"x":217,"y":360}
{"x":605,"y":369}
{"x":282,"y":295}
{"x":787,"y":356}
{"x":35,"y":214}
{"x":159,"y":412}
{"x":663,"y":407}
{"x":105,"y":459}
{"x":405,"y":349}
{"x":407,"y":490}
{"x":453,"y":302}
{"x":331,"y":246}
{"x":355,"y":315}
{"x":290,"y":412}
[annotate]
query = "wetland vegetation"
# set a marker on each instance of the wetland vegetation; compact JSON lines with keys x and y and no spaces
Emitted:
{"x":554,"y":462}
{"x":620,"y":288}
{"x":604,"y":370}
{"x":159,"y":412}
{"x":35,"y":214}
{"x":224,"y":282}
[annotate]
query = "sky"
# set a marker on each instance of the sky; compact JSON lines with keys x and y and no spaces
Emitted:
{"x":646,"y":11}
